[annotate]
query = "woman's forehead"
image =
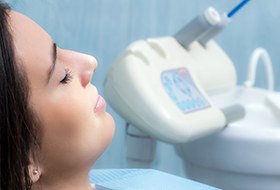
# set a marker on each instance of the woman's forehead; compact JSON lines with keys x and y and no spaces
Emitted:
{"x":33,"y":46}
{"x":26,"y":32}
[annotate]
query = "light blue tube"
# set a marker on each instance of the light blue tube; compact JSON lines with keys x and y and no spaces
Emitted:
{"x":213,"y":31}
{"x":197,"y":27}
{"x":192,"y":31}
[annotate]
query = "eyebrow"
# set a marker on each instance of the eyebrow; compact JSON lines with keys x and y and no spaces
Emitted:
{"x":54,"y":56}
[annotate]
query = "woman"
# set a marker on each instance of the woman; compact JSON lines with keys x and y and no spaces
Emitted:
{"x":53,"y":122}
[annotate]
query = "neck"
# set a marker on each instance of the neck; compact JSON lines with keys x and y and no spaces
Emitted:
{"x":64,"y":181}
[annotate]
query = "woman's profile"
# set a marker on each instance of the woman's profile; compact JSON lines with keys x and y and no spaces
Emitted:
{"x":54,"y":123}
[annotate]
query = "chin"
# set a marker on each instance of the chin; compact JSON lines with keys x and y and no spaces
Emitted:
{"x":110,"y":127}
{"x":108,"y":130}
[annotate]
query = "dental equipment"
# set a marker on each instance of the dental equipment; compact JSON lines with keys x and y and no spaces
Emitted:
{"x":237,"y":8}
{"x":205,"y":27}
{"x":161,"y":85}
{"x":260,"y":53}
{"x":198,"y":26}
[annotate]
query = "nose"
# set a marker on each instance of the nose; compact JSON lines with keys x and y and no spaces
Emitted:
{"x":87,"y":68}
{"x":82,"y":64}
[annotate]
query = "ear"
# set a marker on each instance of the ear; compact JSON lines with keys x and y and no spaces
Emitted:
{"x":34,"y":172}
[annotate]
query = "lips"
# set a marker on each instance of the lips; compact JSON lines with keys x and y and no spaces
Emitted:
{"x":100,"y":104}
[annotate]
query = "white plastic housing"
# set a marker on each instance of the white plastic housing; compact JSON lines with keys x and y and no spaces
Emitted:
{"x":133,"y":87}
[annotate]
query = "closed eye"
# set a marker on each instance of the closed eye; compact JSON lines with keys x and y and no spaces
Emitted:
{"x":68,"y":77}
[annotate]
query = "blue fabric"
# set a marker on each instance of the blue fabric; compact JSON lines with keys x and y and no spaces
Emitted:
{"x":142,"y":179}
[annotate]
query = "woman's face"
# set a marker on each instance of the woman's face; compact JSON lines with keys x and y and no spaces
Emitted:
{"x":75,"y":126}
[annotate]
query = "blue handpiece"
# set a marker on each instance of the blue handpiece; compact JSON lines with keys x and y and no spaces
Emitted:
{"x":237,"y":8}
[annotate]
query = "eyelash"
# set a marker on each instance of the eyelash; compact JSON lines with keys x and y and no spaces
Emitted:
{"x":68,"y":77}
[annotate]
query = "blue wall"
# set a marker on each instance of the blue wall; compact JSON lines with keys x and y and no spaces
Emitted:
{"x":104,"y":28}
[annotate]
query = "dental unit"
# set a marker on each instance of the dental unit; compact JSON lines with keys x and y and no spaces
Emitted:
{"x":183,"y":90}
{"x":160,"y":85}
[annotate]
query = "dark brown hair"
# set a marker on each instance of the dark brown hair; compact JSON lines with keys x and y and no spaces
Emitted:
{"x":18,"y":130}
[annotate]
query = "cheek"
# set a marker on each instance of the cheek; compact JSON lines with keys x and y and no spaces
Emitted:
{"x":67,"y":122}
{"x":68,"y":114}
{"x":70,"y":126}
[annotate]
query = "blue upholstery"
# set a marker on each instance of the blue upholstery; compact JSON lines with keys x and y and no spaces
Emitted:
{"x":142,"y":179}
